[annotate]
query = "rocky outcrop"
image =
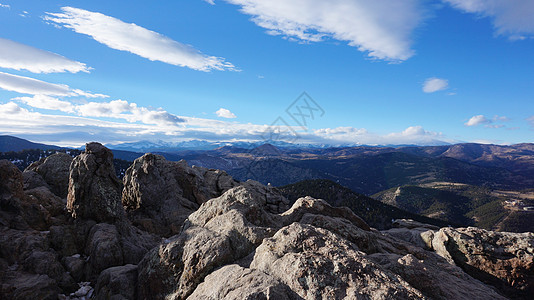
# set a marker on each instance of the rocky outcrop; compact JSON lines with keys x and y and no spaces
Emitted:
{"x":502,"y":259}
{"x":159,"y":194}
{"x":233,"y":241}
{"x":240,"y":246}
{"x":223,"y":230}
{"x":94,"y":189}
{"x":54,"y":170}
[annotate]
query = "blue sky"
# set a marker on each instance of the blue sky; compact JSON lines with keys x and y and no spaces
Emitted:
{"x":383,"y":72}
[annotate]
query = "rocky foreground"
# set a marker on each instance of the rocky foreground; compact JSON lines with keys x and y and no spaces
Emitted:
{"x":69,"y":229}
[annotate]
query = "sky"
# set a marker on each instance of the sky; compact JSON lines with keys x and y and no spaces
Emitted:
{"x":338,"y":72}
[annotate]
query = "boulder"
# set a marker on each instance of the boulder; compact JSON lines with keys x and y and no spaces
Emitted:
{"x":54,"y":170}
{"x":502,"y":259}
{"x":94,"y":189}
{"x":318,"y":264}
{"x":117,"y":283}
{"x":103,"y":249}
{"x":222,"y":231}
{"x":236,"y":282}
{"x":159,"y":194}
{"x":23,"y":286}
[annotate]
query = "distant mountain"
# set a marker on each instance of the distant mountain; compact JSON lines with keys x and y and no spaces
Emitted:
{"x":11,"y":143}
{"x":375,"y":213}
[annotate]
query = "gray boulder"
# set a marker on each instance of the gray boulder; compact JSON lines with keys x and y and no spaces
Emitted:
{"x":159,"y":194}
{"x":54,"y":170}
{"x":117,"y":283}
{"x":94,"y":189}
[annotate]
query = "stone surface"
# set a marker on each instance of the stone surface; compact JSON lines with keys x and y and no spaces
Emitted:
{"x":222,"y":231}
{"x":235,"y":282}
{"x":55,"y":170}
{"x":117,"y":283}
{"x":23,"y":286}
{"x":503,"y":259}
{"x":317,"y":264}
{"x":103,"y":248}
{"x":161,"y":194}
{"x":94,"y":189}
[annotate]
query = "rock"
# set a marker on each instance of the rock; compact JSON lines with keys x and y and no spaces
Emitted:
{"x":117,"y":283}
{"x":317,"y":264}
{"x":55,"y":170}
{"x":411,"y":224}
{"x":503,"y":259}
{"x":11,"y":184}
{"x":94,"y":189}
{"x":419,"y":236}
{"x":75,"y":266}
{"x":235,"y":282}
{"x":44,"y":262}
{"x":17,"y":245}
{"x":103,"y":248}
{"x":85,"y":291}
{"x":435,"y":277}
{"x":54,"y":205}
{"x":23,"y":286}
{"x":160,"y":194}
{"x":222,"y":231}
{"x":33,"y":180}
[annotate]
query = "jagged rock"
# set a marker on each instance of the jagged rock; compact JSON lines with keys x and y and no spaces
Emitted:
{"x":33,"y":180}
{"x":317,"y":264}
{"x":435,"y":277}
{"x":236,"y":282}
{"x":223,"y":230}
{"x":55,"y":170}
{"x":23,"y":286}
{"x":94,"y":189}
{"x":75,"y":266}
{"x":309,"y":205}
{"x":411,"y":224}
{"x":419,"y":236}
{"x":17,"y":245}
{"x":503,"y":259}
{"x":160,"y":194}
{"x":11,"y":184}
{"x":117,"y":283}
{"x":103,"y":248}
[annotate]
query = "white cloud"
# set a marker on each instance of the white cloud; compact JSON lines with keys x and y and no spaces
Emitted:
{"x":18,"y":56}
{"x":46,"y":102}
{"x":121,"y":109}
{"x":130,"y":37}
{"x":513,"y":18}
{"x":5,"y":5}
{"x":477,"y":120}
{"x":490,"y":123}
{"x":78,"y":129}
{"x":225,"y":113}
{"x":27,"y":85}
{"x":434,"y":84}
{"x":382,"y":28}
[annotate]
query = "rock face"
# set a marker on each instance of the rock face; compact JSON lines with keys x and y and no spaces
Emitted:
{"x":55,"y":170}
{"x":239,"y":246}
{"x":161,"y":194}
{"x":503,"y":259}
{"x":94,"y":189}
